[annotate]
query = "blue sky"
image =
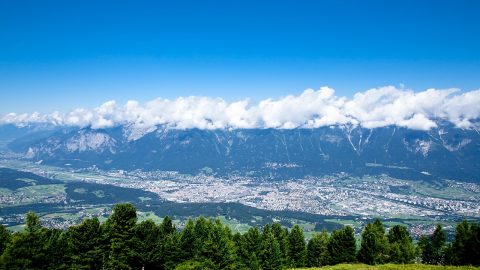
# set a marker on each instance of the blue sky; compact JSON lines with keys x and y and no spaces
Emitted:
{"x":59,"y":55}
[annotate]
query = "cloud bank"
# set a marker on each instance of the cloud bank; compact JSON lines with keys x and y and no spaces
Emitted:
{"x":373,"y":108}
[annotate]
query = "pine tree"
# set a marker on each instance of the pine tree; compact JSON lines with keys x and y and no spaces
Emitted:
{"x":425,"y":249}
{"x":4,"y":238}
{"x":242,"y":253}
{"x":342,"y":246}
{"x":466,"y":246}
{"x":187,"y":238}
{"x":438,"y":239}
{"x":250,"y":248}
{"x":282,"y":237}
{"x":253,"y":241}
{"x":374,"y":247}
{"x":32,"y":221}
{"x":448,"y":254}
{"x":253,"y":263}
{"x":475,"y":244}
{"x":148,"y":244}
{"x":271,"y":254}
{"x":202,"y":231}
{"x":433,"y":247}
{"x":26,"y":249}
{"x":84,"y":243}
{"x":167,"y":226}
{"x":214,"y":241}
{"x":460,"y":244}
{"x":171,"y":249}
{"x":219,"y":246}
{"x":402,"y":249}
{"x":119,"y":230}
{"x":121,"y":243}
{"x":171,"y":252}
{"x":297,"y":247}
{"x":317,"y":250}
{"x":56,"y":255}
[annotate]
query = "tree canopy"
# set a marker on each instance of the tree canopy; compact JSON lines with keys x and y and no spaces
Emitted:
{"x":121,"y":242}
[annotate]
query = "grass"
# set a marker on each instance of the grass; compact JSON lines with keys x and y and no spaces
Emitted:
{"x":391,"y":267}
{"x":17,"y":228}
{"x":35,"y":194}
{"x":234,"y":224}
{"x":345,"y":222}
{"x":27,"y":180}
{"x":99,"y":193}
{"x":42,"y":190}
{"x":80,"y":190}
{"x":142,"y":216}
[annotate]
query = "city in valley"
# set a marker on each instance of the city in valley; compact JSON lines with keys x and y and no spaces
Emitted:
{"x":332,"y":199}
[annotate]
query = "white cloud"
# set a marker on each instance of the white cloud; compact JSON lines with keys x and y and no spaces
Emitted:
{"x":24,"y":119}
{"x":373,"y":108}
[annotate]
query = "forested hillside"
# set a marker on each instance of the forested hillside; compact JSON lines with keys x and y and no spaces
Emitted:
{"x":123,"y":243}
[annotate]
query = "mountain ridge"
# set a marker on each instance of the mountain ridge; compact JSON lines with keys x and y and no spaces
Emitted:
{"x":444,"y":152}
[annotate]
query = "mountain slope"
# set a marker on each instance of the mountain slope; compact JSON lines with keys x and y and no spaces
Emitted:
{"x":445,"y":152}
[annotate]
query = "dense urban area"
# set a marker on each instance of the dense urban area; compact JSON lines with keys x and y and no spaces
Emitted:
{"x":336,"y":199}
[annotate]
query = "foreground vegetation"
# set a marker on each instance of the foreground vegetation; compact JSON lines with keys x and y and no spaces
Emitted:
{"x":390,"y":267}
{"x":121,"y":242}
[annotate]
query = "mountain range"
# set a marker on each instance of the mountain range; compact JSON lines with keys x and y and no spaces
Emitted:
{"x":445,"y":151}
